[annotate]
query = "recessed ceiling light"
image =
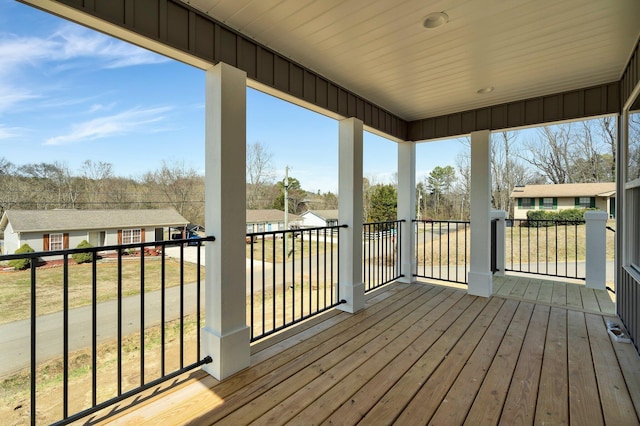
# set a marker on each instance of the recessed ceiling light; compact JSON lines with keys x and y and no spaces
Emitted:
{"x":434,"y":20}
{"x":485,"y":90}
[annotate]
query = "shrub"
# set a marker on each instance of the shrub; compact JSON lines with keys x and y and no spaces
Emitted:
{"x":83,"y":257}
{"x":541,"y":218}
{"x":21,"y":264}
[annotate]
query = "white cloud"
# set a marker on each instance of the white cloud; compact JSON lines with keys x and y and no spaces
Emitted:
{"x":11,"y":96}
{"x":77,"y":42}
{"x":9,"y":132}
{"x":131,"y":121}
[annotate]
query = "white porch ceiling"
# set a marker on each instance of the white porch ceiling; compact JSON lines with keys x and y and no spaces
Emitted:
{"x":379,"y":49}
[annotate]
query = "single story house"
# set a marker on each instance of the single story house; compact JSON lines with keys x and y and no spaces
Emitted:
{"x":599,"y":195}
{"x":319,"y":218}
{"x":47,"y":230}
{"x":267,"y":220}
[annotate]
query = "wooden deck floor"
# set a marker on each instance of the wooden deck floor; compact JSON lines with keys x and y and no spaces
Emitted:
{"x":424,"y":354}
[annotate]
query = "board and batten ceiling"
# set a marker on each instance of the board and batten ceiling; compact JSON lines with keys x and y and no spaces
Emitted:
{"x":380,"y":49}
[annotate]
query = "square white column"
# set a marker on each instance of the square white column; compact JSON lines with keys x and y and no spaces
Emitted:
{"x":226,"y":336}
{"x":407,"y":208}
{"x":350,"y":214}
{"x":596,"y":250}
{"x":480,"y":277}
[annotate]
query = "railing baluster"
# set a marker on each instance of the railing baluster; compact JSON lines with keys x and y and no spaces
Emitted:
{"x":162,"y":309}
{"x":33,"y":265}
{"x":94,"y":329}
{"x":142,"y":313}
{"x":65,"y":332}
{"x":119,"y":322}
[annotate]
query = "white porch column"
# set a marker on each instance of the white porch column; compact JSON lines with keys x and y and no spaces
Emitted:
{"x":596,"y":250}
{"x":407,"y":207}
{"x":480,"y":277}
{"x":501,"y":240}
{"x":350,"y":214}
{"x":225,"y":336}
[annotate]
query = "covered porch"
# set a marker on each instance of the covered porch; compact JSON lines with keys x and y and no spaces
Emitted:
{"x":410,"y":352}
{"x":538,"y":351}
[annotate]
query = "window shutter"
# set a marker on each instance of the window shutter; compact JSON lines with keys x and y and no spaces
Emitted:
{"x":45,"y":242}
{"x":592,"y":203}
{"x":65,"y":241}
{"x":577,"y":202}
{"x":519,"y":203}
{"x":541,"y":202}
{"x":142,"y":235}
{"x":555,"y":203}
{"x":119,"y":237}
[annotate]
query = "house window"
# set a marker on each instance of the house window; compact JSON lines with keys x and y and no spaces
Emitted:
{"x":249,"y":228}
{"x":261,"y":227}
{"x":548,"y":203}
{"x":586,"y":202}
{"x":131,"y":236}
{"x":56,"y":242}
{"x":527,"y":203}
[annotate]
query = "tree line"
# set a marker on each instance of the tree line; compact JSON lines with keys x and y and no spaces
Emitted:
{"x":568,"y":153}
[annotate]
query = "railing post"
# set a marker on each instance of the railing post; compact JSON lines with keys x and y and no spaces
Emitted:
{"x":407,"y":209}
{"x":480,"y":277}
{"x":226,"y":336}
{"x":351,"y":285}
{"x":501,"y":240}
{"x":596,"y":250}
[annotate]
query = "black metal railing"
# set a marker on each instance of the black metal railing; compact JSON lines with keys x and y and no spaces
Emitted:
{"x":381,"y":260}
{"x":494,"y":245}
{"x":442,"y":249}
{"x":138,"y":307}
{"x":546,"y":247}
{"x":292,"y":275}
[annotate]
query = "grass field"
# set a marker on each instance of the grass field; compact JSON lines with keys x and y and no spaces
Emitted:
{"x":523,"y":245}
{"x":15,"y":287}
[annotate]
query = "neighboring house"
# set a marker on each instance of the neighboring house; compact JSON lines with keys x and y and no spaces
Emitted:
{"x":601,"y":195}
{"x":270,"y":220}
{"x":318,"y":218}
{"x":47,"y":230}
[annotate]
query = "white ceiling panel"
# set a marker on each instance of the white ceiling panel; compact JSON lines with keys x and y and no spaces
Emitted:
{"x":380,"y":50}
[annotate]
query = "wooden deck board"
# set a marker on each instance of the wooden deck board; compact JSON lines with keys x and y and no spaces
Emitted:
{"x":552,"y":406}
{"x":427,"y":399}
{"x":424,"y":353}
{"x":487,"y":406}
{"x":584,"y":403}
{"x":520,"y":404}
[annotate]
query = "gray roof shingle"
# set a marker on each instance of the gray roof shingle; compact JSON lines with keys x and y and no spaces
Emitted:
{"x":71,"y":220}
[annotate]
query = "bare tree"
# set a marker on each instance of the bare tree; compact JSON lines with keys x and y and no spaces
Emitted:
{"x":551,"y":153}
{"x":95,"y":177}
{"x":260,"y":175}
{"x":181,"y":187}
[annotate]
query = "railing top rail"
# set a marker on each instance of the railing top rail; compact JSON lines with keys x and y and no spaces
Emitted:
{"x":37,"y":254}
{"x":284,"y":231}
{"x":384,"y":222}
{"x":439,"y":221}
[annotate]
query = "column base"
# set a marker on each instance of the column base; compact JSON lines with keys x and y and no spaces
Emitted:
{"x":410,"y":268}
{"x":480,"y":284}
{"x":230,"y":353}
{"x":354,"y":296}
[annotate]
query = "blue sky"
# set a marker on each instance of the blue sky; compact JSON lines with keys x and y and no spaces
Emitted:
{"x":70,"y":94}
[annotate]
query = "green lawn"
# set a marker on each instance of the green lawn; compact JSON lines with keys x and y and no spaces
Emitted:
{"x":15,"y":287}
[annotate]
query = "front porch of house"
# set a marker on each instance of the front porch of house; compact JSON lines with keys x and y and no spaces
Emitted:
{"x":537,"y":351}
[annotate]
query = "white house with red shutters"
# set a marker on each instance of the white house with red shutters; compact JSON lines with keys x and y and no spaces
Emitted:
{"x":48,"y":230}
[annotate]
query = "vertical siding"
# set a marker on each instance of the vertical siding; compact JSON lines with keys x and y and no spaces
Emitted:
{"x":592,"y":101}
{"x":628,"y":300}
